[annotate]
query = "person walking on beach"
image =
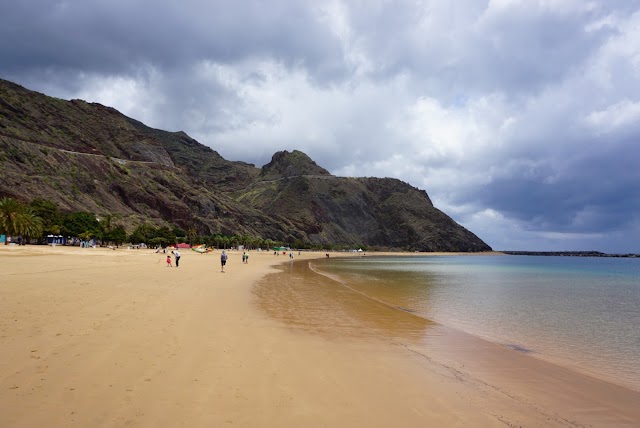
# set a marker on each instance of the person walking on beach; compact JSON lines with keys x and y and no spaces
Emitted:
{"x":223,"y":260}
{"x":169,"y":261}
{"x":177,"y":255}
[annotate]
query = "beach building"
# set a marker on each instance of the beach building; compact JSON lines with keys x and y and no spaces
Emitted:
{"x":56,"y":239}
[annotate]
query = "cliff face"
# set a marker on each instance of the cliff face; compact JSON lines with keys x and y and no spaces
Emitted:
{"x":88,"y":157}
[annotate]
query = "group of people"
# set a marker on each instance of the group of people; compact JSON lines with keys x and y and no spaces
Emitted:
{"x":223,"y":259}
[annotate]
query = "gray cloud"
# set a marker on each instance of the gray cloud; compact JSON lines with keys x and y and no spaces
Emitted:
{"x":520,"y":118}
{"x":117,"y":37}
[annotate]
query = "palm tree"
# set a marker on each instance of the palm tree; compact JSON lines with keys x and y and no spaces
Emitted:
{"x":259,"y":242}
{"x":16,"y":219}
{"x":9,"y":213}
{"x":85,"y":236}
{"x":108,"y":222}
{"x":247,"y":241}
{"x":31,"y":225}
{"x":192,"y":235}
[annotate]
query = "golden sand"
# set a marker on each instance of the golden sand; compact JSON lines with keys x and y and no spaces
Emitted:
{"x":95,"y":337}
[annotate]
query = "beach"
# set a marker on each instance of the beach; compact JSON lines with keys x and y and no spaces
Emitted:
{"x":100,"y":337}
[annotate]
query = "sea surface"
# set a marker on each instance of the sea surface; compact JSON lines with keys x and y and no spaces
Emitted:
{"x":579,"y":312}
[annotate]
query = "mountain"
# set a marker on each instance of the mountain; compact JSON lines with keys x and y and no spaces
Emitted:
{"x":88,"y":157}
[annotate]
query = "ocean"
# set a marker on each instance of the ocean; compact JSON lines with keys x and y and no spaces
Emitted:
{"x":579,"y":312}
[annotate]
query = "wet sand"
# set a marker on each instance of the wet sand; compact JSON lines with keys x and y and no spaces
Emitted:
{"x":94,"y":337}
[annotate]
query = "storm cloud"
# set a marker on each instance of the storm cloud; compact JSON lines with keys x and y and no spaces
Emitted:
{"x":521,"y":119}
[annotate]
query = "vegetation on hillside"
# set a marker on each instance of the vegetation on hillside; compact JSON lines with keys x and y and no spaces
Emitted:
{"x":42,"y":217}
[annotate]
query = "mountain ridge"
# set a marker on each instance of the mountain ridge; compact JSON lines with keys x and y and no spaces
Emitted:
{"x":90,"y":157}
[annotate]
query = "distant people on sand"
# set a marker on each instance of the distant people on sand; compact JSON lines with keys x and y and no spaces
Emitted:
{"x":177,"y":255}
{"x":223,"y":260}
{"x":290,"y":255}
{"x":169,"y":261}
{"x":245,"y":257}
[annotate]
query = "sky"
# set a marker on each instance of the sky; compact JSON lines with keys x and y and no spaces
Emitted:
{"x":520,"y":118}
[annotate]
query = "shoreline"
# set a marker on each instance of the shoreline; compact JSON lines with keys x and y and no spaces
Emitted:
{"x":95,"y":337}
{"x":562,"y":362}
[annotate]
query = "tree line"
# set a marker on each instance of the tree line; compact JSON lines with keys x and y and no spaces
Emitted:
{"x":41,"y":217}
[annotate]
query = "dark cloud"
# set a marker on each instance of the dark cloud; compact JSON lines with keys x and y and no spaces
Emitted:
{"x":116,"y":37}
{"x":592,"y":189}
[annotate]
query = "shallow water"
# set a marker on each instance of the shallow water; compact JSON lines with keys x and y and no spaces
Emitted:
{"x":582,"y":313}
{"x":308,"y":301}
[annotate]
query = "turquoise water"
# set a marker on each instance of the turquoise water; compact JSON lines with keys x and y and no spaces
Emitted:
{"x":583,"y":313}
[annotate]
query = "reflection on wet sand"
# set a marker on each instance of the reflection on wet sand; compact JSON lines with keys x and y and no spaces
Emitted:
{"x":307,"y":300}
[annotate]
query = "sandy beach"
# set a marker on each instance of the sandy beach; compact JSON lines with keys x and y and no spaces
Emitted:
{"x":99,"y":337}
